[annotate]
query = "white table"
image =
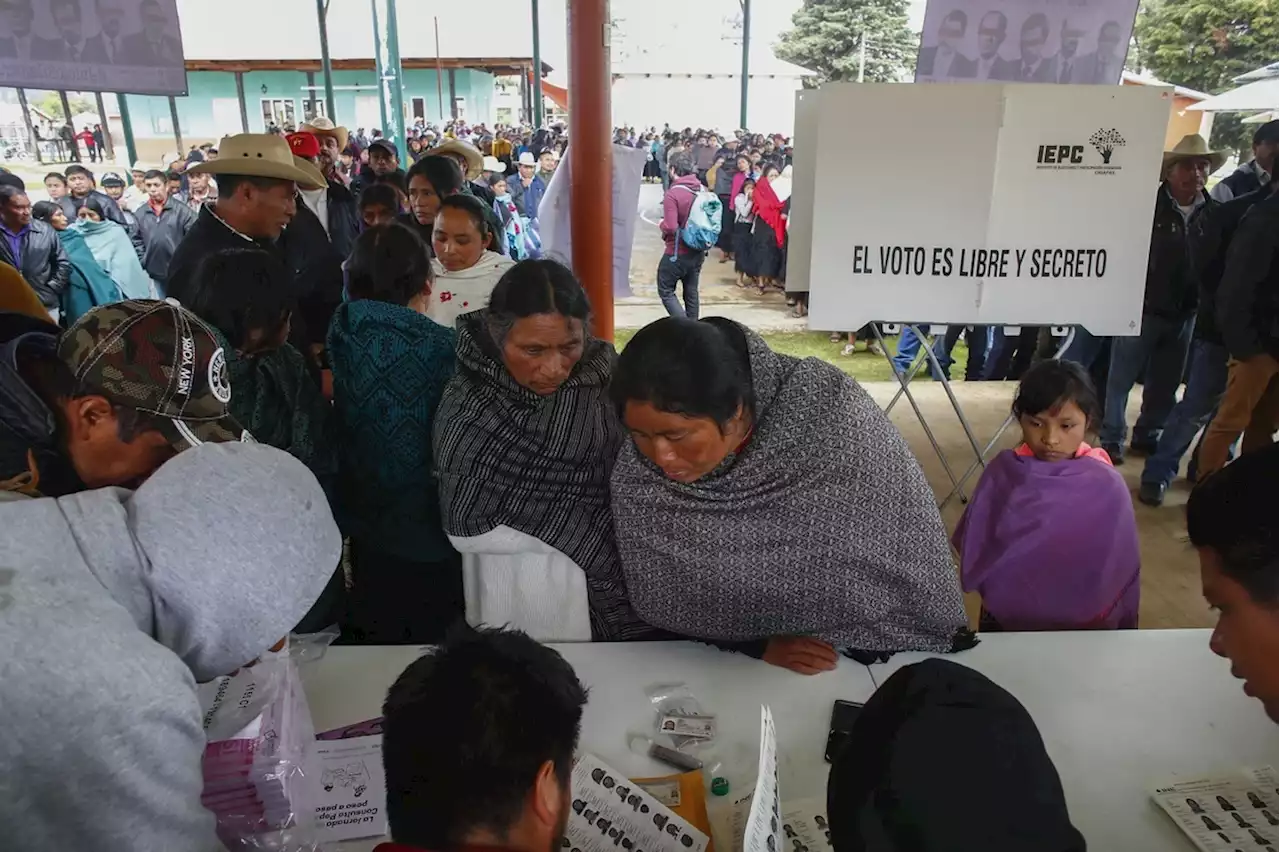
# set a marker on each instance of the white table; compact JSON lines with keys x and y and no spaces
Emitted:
{"x":1120,"y":709}
{"x":349,"y":684}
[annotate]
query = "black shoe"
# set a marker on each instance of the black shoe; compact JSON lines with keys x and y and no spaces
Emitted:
{"x":1114,"y":453}
{"x":1143,"y":448}
{"x":1152,"y":493}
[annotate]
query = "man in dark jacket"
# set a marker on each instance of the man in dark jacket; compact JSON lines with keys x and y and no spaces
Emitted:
{"x":679,"y":263}
{"x":1247,"y":315}
{"x":333,"y":204}
{"x":164,"y":222}
{"x":1256,"y":173}
{"x":257,"y":198}
{"x":81,"y":183}
{"x":726,"y":169}
{"x":526,"y":187}
{"x":384,"y":160}
{"x":104,"y":403}
{"x":31,"y":247}
{"x":1207,"y":376}
{"x":1168,"y":306}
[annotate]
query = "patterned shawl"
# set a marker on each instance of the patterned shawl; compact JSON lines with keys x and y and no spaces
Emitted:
{"x":540,"y":465}
{"x":822,"y":526}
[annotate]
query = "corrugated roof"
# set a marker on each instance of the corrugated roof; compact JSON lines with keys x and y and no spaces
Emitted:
{"x":286,"y":29}
{"x":1147,"y":80}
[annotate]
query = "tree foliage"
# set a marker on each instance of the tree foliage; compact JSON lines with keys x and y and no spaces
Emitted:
{"x":51,"y":104}
{"x":1203,"y":44}
{"x":825,"y":38}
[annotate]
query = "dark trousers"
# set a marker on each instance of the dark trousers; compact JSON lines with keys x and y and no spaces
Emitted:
{"x":682,"y":268}
{"x":725,"y":240}
{"x":1206,"y":382}
{"x":1010,"y":355}
{"x":396,"y":601}
{"x":1162,"y":348}
{"x":977,"y":339}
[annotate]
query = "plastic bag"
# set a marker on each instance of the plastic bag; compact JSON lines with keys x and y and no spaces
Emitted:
{"x":258,"y":730}
{"x":680,"y":717}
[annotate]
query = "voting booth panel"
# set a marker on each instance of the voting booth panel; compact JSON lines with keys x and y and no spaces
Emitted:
{"x":989,"y":204}
{"x":804,"y":173}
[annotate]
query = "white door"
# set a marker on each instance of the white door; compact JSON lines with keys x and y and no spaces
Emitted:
{"x":368,"y":115}
{"x":226,"y":117}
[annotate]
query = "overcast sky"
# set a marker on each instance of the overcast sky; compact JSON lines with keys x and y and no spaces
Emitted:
{"x":650,"y":21}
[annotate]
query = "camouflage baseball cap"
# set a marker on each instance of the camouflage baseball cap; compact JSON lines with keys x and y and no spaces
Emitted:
{"x":157,"y":357}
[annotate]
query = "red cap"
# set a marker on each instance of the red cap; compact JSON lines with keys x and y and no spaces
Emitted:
{"x":304,"y":145}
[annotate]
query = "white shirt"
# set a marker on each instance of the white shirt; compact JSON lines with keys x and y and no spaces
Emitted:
{"x":113,"y":46}
{"x":318,"y":201}
{"x":942,"y":62}
{"x":22,"y":46}
{"x":984,"y":66}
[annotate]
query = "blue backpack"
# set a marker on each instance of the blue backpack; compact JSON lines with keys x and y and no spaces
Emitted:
{"x":702,"y":228}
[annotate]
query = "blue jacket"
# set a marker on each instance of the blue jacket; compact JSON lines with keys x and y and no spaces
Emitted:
{"x":89,"y":285}
{"x":390,"y":366}
{"x":527,"y":199}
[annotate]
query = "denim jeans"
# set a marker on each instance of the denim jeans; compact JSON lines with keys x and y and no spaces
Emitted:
{"x":684,"y":268}
{"x":1162,"y":348}
{"x":908,"y":346}
{"x":1205,"y":385}
{"x":979,"y":340}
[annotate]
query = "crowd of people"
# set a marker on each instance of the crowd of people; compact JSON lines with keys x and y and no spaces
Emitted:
{"x":200,"y":403}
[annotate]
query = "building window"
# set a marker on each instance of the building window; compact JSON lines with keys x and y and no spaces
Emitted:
{"x":312,"y":108}
{"x":280,"y":112}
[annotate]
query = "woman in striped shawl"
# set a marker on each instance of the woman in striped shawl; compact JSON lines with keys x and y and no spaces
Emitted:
{"x":525,"y":441}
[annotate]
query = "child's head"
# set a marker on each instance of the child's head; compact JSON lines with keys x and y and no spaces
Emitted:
{"x":749,"y":187}
{"x":379,"y":204}
{"x":1055,"y":406}
{"x":247,"y":295}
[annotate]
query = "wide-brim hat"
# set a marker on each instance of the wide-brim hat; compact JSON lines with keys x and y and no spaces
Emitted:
{"x":475,"y":160}
{"x":493,"y":164}
{"x":263,"y":155}
{"x":1193,"y":146}
{"x":324,"y":126}
{"x":140,"y":166}
{"x":311,"y":169}
{"x":526,"y":159}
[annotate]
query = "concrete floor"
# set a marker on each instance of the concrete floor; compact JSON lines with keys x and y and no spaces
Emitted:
{"x":1170,"y":570}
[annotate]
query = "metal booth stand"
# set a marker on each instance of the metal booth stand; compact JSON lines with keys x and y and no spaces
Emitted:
{"x":927,"y":355}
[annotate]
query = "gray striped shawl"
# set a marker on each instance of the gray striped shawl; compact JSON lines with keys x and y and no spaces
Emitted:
{"x":540,"y":465}
{"x":822,"y":526}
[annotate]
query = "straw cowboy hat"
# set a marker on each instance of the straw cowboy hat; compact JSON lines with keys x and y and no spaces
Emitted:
{"x":493,"y":164}
{"x":324,"y":126}
{"x":258,"y":155}
{"x":1193,"y":146}
{"x":475,"y":162}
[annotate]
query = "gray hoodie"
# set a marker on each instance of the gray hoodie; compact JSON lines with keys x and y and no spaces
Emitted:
{"x":113,"y":604}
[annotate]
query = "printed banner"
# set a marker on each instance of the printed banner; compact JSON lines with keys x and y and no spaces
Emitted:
{"x":1025,"y":41}
{"x":131,"y":46}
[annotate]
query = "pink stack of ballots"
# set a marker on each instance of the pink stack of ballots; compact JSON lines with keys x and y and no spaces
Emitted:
{"x":258,"y":728}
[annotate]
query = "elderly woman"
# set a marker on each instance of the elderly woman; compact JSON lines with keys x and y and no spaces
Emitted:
{"x":466,"y":266}
{"x":390,"y":366}
{"x":768,"y":501}
{"x":525,"y":440}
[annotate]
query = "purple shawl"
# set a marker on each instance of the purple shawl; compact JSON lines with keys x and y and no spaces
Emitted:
{"x":1051,"y":546}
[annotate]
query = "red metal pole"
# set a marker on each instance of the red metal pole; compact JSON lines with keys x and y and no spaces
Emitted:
{"x":591,"y":192}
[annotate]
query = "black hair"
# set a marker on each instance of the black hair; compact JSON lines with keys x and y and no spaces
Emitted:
{"x":8,"y":192}
{"x":1036,"y":21}
{"x":44,"y":210}
{"x":155,"y":174}
{"x":55,"y":382}
{"x":381,"y":193}
{"x":8,"y":178}
{"x":1233,"y":513}
{"x":494,"y":178}
{"x":472,"y":206}
{"x":959,"y":17}
{"x":1049,"y":384}
{"x":534,"y":287}
{"x":690,"y":367}
{"x":389,"y":263}
{"x":1269,"y":132}
{"x":682,"y":164}
{"x":76,"y":169}
{"x":468,"y":727}
{"x":95,"y":203}
{"x":240,"y":290}
{"x":59,"y":175}
{"x":172,"y":174}
{"x":229,"y":184}
{"x":443,"y":173}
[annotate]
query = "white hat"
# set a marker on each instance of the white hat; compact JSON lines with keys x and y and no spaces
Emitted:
{"x":493,"y":164}
{"x":140,"y":166}
{"x":526,"y":159}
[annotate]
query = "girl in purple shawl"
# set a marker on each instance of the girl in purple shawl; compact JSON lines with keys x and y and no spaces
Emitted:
{"x":1049,"y":539}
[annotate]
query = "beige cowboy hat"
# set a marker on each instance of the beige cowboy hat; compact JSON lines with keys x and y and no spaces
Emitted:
{"x":311,"y":169}
{"x":324,"y":126}
{"x":1193,"y":146}
{"x":475,"y":161}
{"x":262,"y":155}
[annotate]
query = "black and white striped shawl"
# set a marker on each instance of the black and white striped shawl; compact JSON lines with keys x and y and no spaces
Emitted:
{"x":540,"y":465}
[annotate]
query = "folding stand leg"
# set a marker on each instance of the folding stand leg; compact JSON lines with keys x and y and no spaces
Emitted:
{"x":904,"y":380}
{"x":955,"y":406}
{"x":982,"y":457}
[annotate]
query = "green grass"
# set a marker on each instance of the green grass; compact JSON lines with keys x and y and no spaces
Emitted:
{"x":863,"y":366}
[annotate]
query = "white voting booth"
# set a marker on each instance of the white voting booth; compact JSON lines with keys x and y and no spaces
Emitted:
{"x":979,"y":204}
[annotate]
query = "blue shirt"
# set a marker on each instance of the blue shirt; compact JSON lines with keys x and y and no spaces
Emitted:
{"x":15,"y":244}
